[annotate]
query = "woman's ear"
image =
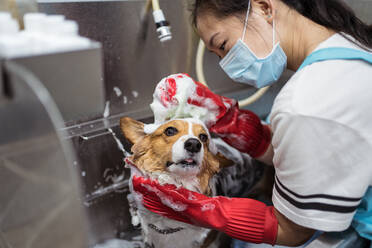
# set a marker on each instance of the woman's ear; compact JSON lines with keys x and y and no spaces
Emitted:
{"x":265,"y":8}
{"x":133,"y":130}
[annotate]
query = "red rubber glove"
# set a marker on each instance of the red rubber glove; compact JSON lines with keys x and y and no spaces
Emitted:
{"x":245,"y":219}
{"x":241,"y":129}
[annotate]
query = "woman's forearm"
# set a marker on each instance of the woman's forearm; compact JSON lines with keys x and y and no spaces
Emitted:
{"x":267,"y":157}
{"x":291,"y":234}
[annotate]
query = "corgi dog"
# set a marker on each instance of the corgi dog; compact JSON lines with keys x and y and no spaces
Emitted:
{"x":179,"y":152}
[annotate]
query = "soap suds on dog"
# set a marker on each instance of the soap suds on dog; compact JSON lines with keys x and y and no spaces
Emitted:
{"x":167,"y":201}
{"x":168,"y":104}
{"x":150,"y":128}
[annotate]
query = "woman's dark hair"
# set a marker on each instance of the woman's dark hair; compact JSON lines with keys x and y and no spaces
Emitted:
{"x":333,"y":14}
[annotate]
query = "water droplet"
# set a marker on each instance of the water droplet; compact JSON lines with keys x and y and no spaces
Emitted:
{"x":117,"y":91}
{"x":135,"y":93}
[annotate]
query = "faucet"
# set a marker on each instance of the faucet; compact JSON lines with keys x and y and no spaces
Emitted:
{"x":162,"y":25}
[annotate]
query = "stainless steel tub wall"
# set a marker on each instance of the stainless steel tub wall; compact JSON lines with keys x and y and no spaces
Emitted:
{"x":74,"y":79}
{"x":39,"y":204}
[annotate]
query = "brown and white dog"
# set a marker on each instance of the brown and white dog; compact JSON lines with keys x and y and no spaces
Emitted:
{"x":179,"y":152}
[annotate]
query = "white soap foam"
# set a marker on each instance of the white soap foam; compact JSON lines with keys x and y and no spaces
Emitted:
{"x":117,"y":91}
{"x":125,"y":99}
{"x":106,"y":113}
{"x":135,"y":93}
{"x":150,"y":128}
{"x":189,"y":182}
{"x":110,"y":176}
{"x":179,"y":107}
{"x":166,"y":200}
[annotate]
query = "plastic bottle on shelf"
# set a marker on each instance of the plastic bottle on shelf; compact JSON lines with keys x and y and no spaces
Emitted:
{"x":54,"y":34}
{"x":34,"y":31}
{"x":7,"y":24}
{"x":70,"y":32}
{"x":10,"y":44}
{"x":42,"y":34}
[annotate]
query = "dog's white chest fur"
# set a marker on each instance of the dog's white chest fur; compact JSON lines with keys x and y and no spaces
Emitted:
{"x":161,"y":232}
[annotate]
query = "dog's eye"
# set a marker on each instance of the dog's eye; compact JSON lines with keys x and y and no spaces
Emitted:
{"x":171,"y":131}
{"x":203,"y":137}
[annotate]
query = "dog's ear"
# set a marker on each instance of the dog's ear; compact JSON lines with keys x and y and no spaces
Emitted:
{"x":133,"y":130}
{"x":223,"y":161}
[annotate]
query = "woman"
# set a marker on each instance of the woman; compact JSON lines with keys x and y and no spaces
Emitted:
{"x":321,"y":132}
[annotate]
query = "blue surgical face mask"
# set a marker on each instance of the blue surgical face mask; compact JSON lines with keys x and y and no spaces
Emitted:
{"x":242,"y":65}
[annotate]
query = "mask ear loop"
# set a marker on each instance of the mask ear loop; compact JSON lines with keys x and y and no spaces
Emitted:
{"x":246,"y":20}
{"x":274,"y":34}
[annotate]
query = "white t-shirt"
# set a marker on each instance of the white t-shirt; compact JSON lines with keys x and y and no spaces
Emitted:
{"x":322,"y":138}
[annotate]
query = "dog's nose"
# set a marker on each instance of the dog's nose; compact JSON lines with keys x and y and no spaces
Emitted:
{"x":193,"y":145}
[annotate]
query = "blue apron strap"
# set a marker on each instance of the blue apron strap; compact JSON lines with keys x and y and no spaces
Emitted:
{"x":362,"y":221}
{"x":333,"y":53}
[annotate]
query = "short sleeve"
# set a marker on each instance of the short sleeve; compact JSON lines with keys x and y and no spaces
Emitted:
{"x":323,"y":169}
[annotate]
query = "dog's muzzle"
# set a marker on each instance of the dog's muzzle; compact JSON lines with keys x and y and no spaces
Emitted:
{"x":193,"y":145}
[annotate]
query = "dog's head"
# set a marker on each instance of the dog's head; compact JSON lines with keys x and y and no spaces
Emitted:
{"x":178,"y":151}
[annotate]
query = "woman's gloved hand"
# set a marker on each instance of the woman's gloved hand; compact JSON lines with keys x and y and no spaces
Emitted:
{"x":239,"y":128}
{"x":245,"y":219}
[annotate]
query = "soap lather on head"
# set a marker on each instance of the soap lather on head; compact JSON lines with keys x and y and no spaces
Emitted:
{"x":173,"y":97}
